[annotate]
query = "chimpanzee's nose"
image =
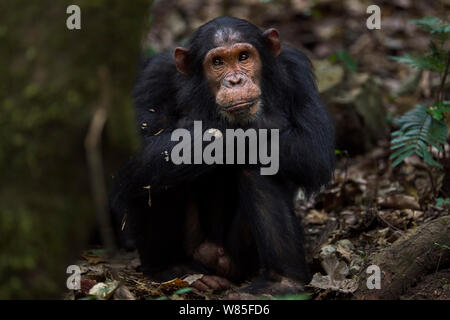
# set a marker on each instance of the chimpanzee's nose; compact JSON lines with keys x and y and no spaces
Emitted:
{"x":234,"y":80}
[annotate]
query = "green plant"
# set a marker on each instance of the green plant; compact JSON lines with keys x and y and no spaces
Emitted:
{"x":443,"y":247}
{"x":424,"y":127}
{"x":346,"y":59}
{"x":441,"y":202}
{"x":173,"y":296}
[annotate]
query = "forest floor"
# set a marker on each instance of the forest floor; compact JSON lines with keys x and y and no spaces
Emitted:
{"x":343,"y":227}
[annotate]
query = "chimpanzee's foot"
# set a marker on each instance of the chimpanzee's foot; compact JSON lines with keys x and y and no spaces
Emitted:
{"x":175,"y":271}
{"x":214,"y":257}
{"x":205,"y":283}
{"x":209,"y":282}
{"x":279,"y":286}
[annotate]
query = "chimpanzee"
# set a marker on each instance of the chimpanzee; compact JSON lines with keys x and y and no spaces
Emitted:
{"x":227,"y":221}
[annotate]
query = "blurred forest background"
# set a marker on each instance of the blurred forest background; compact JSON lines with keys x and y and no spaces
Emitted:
{"x":52,"y":79}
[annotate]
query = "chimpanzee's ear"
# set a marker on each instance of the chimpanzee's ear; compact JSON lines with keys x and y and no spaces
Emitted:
{"x":273,"y":41}
{"x":181,"y":59}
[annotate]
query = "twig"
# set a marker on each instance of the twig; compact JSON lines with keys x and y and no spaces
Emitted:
{"x":92,"y":145}
{"x":387,"y":223}
{"x":439,"y":261}
{"x":444,"y":78}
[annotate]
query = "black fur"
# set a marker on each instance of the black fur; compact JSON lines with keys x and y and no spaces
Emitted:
{"x":250,"y":215}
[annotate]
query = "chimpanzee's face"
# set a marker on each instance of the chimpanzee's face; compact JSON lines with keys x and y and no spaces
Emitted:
{"x":232,"y":70}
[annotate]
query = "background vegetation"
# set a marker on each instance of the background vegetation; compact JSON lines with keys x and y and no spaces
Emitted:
{"x":49,"y":85}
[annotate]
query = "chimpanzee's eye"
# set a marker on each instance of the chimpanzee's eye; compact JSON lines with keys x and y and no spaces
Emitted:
{"x":243,"y":56}
{"x":217,"y":61}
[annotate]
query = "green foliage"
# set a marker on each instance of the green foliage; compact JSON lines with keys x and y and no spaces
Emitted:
{"x":300,"y":296}
{"x":434,"y":25}
{"x":429,"y":62}
{"x":442,"y":246}
{"x":418,"y":131}
{"x":424,"y":127}
{"x":183,"y":290}
{"x":441,"y":202}
{"x":341,"y":153}
{"x":438,"y":109}
{"x":174,"y":295}
{"x":346,"y":59}
{"x":436,"y":59}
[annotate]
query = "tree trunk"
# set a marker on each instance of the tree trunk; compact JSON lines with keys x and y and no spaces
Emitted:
{"x":411,"y":257}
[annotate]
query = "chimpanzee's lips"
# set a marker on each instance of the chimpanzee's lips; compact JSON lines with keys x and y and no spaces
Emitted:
{"x":241,"y":105}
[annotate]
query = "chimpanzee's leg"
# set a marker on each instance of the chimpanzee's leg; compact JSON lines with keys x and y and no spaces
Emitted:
{"x":159,"y":229}
{"x":267,"y":203}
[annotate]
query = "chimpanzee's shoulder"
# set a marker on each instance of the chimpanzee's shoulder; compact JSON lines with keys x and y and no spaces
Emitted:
{"x":155,"y":83}
{"x":159,"y":66}
{"x":291,"y":55}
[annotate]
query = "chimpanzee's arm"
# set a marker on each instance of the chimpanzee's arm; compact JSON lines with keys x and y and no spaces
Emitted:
{"x":307,"y":152}
{"x":154,"y":167}
{"x":155,"y":100}
{"x":307,"y":143}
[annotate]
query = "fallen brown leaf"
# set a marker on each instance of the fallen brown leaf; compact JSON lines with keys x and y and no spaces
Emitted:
{"x":92,"y":258}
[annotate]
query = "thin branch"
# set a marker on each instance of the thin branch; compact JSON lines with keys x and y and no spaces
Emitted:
{"x":444,"y":78}
{"x":92,"y":145}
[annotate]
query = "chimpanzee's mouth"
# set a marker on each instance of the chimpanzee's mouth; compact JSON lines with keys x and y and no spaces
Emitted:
{"x":241,"y":105}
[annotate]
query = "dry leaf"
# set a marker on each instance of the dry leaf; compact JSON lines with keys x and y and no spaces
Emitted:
{"x":92,"y":258}
{"x":192,"y":278}
{"x":104,"y":290}
{"x":123,"y":293}
{"x":316,"y":217}
{"x":326,"y":282}
{"x":174,"y":284}
{"x":399,"y":201}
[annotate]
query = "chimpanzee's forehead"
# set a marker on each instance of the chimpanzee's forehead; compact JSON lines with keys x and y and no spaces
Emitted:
{"x":226,"y":36}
